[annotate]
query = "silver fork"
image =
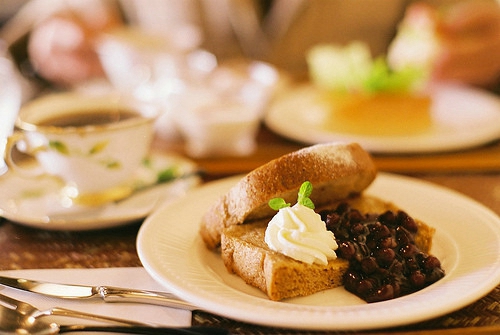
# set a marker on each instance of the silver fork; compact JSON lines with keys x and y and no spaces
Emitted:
{"x":13,"y":322}
{"x":27,"y":309}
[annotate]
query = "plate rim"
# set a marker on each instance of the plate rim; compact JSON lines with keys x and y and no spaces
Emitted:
{"x":425,"y":143}
{"x":275,"y":320}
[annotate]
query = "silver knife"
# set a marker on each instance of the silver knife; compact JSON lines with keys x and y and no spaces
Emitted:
{"x":106,"y":293}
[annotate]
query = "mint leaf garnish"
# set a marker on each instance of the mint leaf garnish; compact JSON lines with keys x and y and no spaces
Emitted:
{"x":278,"y":203}
{"x":303,"y":198}
{"x":304,"y":193}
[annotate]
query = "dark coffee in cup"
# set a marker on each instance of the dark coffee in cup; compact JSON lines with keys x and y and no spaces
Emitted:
{"x":89,"y":118}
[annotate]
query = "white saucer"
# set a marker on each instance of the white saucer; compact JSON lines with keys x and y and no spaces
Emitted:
{"x":36,"y":203}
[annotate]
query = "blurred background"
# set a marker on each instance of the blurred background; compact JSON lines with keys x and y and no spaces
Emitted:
{"x":214,"y":65}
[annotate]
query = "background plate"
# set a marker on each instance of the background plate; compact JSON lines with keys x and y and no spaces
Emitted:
{"x":462,"y":118}
{"x":467,"y":241}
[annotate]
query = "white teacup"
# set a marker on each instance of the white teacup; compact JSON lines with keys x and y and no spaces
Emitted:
{"x":94,"y":144}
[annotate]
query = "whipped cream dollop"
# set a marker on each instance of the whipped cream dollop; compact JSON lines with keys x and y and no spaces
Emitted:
{"x":298,"y":232}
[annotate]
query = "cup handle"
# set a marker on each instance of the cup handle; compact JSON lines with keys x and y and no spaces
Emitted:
{"x":10,"y":147}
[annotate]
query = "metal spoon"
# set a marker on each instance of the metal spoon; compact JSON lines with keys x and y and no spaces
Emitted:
{"x":14,"y":322}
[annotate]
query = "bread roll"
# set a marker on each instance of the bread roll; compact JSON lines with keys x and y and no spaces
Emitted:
{"x":337,"y":171}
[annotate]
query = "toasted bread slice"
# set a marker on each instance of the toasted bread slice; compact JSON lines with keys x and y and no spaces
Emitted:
{"x":337,"y":171}
{"x":246,"y":254}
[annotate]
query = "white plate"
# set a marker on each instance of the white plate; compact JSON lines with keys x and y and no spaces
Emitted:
{"x":37,"y":202}
{"x":462,"y":118}
{"x":467,"y":241}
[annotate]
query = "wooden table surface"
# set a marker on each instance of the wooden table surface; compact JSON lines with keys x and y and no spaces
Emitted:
{"x":474,"y":172}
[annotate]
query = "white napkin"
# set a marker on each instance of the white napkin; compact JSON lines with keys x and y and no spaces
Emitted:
{"x":136,"y":278}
